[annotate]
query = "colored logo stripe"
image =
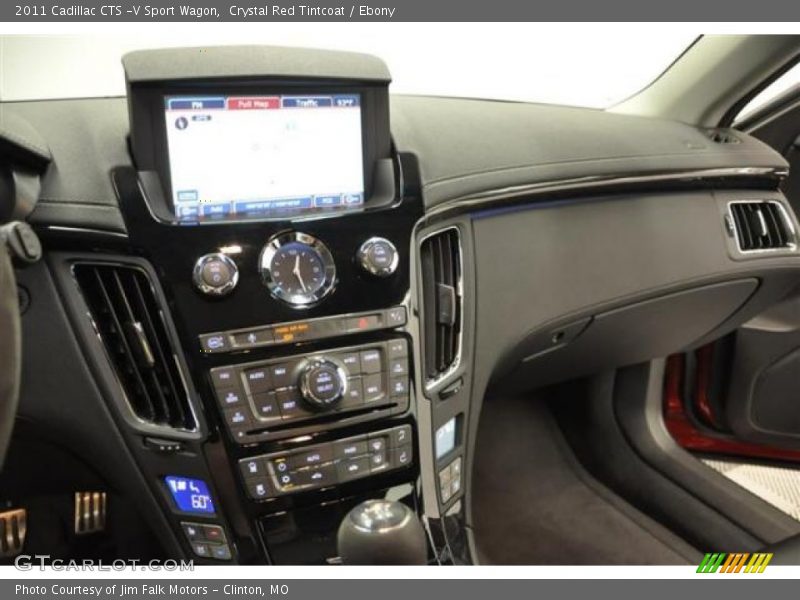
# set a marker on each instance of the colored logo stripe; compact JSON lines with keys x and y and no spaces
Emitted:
{"x":711,"y":562}
{"x":734,"y":562}
{"x":758,"y":563}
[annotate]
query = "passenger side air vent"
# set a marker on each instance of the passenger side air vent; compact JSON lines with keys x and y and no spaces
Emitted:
{"x":440,"y":256}
{"x":761,"y":226}
{"x":130,"y":324}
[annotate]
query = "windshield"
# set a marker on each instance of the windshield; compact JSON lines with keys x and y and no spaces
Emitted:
{"x":508,"y":61}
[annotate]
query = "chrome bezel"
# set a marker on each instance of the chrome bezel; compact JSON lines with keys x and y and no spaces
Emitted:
{"x":305,"y":387}
{"x":791,"y":246}
{"x":363,"y":258}
{"x":432,"y":382}
{"x":297,"y":300}
{"x":210,"y":290}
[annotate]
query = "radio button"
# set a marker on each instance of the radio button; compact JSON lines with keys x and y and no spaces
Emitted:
{"x":371,"y":362}
{"x":237,"y":418}
{"x":223,"y":377}
{"x":373,"y":388}
{"x":398,"y":367}
{"x":290,"y":405}
{"x":258,"y":380}
{"x":398,"y":386}
{"x":281,"y":376}
{"x":352,"y":362}
{"x":397,"y":348}
{"x":266,"y":407}
{"x":355,"y":393}
{"x":229,"y":397}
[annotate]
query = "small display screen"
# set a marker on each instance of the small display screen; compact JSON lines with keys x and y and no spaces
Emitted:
{"x":190,"y":495}
{"x":240,"y":157}
{"x":446,"y":438}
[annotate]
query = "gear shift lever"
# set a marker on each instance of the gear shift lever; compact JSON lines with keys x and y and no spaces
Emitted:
{"x":382,"y":532}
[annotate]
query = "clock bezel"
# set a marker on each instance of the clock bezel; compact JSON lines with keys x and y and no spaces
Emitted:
{"x":297,"y":300}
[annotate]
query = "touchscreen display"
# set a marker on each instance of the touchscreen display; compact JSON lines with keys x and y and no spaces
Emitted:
{"x":234,"y":157}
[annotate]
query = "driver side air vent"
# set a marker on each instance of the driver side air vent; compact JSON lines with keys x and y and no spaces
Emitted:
{"x":761,"y":226}
{"x":440,"y":256}
{"x":129,"y":323}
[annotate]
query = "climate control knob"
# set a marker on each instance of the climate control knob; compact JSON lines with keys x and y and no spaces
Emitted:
{"x":215,"y":274}
{"x":323,"y":383}
{"x":378,"y":256}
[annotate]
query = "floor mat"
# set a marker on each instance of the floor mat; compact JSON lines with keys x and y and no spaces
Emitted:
{"x":532,"y":503}
{"x":776,"y":485}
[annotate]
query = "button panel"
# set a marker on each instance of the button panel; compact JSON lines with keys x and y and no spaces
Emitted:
{"x":450,"y":480}
{"x":257,"y":397}
{"x":207,"y":540}
{"x":323,"y":465}
{"x":296,"y":331}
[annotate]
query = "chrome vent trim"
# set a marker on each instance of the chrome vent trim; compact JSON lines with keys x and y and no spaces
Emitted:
{"x":441,"y":268}
{"x":128,"y":319}
{"x":761,"y":226}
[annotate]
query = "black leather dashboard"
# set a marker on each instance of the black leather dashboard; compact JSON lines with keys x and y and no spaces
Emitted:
{"x":464,"y":148}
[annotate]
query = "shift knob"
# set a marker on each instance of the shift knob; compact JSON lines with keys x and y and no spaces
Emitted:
{"x":382,"y":532}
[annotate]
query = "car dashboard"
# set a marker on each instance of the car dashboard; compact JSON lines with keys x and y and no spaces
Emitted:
{"x":248,"y":368}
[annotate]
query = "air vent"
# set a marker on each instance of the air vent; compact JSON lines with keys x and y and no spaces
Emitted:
{"x":440,"y":256}
{"x":722,"y":136}
{"x":761,"y":226}
{"x":129,"y":322}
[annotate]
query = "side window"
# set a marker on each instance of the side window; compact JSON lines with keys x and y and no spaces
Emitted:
{"x":789,"y":81}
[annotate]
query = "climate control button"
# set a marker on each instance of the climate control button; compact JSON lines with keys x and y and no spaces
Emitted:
{"x":378,"y":256}
{"x":323,"y":383}
{"x":215,"y":274}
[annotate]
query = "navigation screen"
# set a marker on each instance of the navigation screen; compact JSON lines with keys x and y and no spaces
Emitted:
{"x":245,"y":157}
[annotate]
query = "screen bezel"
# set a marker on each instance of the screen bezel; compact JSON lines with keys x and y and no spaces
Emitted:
{"x":150,"y":150}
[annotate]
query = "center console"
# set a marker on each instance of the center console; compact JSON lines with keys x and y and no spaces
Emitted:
{"x":270,"y":220}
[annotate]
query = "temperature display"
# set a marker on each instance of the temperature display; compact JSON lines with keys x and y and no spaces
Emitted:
{"x":190,"y":495}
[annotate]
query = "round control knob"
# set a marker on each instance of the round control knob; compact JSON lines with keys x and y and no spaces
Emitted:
{"x":215,"y":274}
{"x":378,"y":256}
{"x":382,"y":532}
{"x":323,"y":383}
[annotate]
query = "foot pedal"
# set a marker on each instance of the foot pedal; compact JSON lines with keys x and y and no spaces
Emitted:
{"x":90,"y":512}
{"x":13,"y":527}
